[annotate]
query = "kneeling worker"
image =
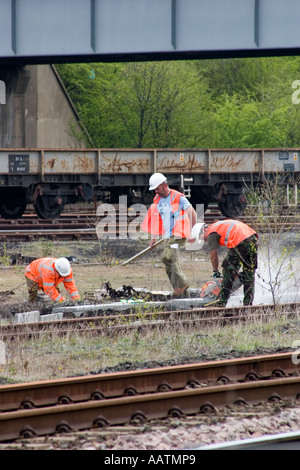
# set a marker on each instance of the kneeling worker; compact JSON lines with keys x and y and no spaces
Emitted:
{"x":45,"y":274}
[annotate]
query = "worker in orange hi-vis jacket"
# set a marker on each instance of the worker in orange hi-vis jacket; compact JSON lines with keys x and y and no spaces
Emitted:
{"x":171,"y":216}
{"x":45,"y":274}
{"x":242,"y":243}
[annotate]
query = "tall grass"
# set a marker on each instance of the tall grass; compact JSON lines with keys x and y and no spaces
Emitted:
{"x":78,"y":353}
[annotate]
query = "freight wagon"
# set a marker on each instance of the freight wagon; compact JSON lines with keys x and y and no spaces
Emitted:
{"x":49,"y":179}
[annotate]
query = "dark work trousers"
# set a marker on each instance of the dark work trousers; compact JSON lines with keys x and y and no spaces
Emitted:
{"x":243,"y":255}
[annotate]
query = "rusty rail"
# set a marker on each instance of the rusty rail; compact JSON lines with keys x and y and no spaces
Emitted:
{"x":103,"y":386}
{"x":80,"y":226}
{"x":127,"y":397}
{"x":115,"y":323}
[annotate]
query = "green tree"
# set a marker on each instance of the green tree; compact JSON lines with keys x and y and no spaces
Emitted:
{"x":207,"y":103}
{"x":151,"y":104}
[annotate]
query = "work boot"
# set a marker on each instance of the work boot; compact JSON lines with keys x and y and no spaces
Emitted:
{"x":179,"y":291}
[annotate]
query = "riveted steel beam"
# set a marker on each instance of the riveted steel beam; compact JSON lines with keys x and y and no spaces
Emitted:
{"x":32,"y":31}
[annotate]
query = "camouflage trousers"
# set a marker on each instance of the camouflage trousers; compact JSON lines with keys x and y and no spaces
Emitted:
{"x":33,"y":289}
{"x":170,"y":258}
{"x":243,"y":255}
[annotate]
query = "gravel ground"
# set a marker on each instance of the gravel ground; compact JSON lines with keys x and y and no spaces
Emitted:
{"x":229,"y":425}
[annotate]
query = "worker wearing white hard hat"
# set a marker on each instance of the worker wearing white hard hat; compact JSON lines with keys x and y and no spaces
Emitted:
{"x":155,"y":180}
{"x":197,"y":232}
{"x":45,"y":274}
{"x":172,"y":216}
{"x":62,"y":266}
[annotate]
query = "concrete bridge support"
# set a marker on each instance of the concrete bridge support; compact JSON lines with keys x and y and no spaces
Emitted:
{"x":12,"y":112}
{"x":36,"y":110}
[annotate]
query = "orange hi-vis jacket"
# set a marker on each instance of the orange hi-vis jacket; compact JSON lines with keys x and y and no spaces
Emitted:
{"x":153,"y":224}
{"x":232,"y":232}
{"x":43,"y":272}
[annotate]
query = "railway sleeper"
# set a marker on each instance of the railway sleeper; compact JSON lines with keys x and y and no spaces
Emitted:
{"x":28,"y":432}
{"x":27,"y":404}
{"x":208,"y":407}
{"x":175,"y":412}
{"x":63,"y":427}
{"x":138,"y":418}
{"x":65,"y":399}
{"x":101,"y":422}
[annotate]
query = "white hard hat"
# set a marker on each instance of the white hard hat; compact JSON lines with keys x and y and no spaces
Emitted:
{"x":196,"y":238}
{"x":155,"y":180}
{"x":197,"y":230}
{"x":62,"y":266}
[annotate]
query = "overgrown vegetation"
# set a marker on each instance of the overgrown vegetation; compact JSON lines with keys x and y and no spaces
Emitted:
{"x":73,"y":354}
{"x":221,"y":103}
{"x":275,"y":220}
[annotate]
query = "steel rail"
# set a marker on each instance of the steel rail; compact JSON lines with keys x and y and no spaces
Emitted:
{"x":107,"y":322}
{"x":69,"y":227}
{"x":36,"y":330}
{"x":104,"y":386}
{"x":281,"y":441}
{"x":137,"y":409}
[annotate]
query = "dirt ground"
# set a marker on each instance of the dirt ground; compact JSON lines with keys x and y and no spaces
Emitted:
{"x":97,"y":264}
{"x":94,"y":265}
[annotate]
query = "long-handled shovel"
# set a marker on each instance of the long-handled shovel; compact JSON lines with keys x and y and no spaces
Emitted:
{"x":143,"y":251}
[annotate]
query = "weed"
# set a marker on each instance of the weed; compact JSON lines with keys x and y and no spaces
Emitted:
{"x":5,"y":258}
{"x":73,"y":354}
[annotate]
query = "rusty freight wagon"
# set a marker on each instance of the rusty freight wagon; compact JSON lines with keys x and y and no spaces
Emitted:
{"x":50,"y":179}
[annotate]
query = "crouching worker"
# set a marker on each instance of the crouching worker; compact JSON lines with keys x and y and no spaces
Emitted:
{"x":45,"y":274}
{"x":242,"y":243}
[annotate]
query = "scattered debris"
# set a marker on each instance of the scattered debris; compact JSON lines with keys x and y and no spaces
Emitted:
{"x":19,"y":259}
{"x":107,"y":293}
{"x":6,"y":293}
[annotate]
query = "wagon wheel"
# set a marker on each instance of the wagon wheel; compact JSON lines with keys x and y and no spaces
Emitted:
{"x":232,"y":205}
{"x":10,"y":211}
{"x":48,"y":207}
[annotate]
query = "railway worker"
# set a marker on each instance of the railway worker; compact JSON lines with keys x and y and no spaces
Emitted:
{"x":172,"y":216}
{"x":45,"y":274}
{"x":242,"y":243}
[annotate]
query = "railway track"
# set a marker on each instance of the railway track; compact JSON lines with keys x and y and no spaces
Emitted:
{"x":43,"y":408}
{"x":72,"y":404}
{"x":113,"y":323}
{"x":30,"y":228}
{"x":82,"y":225}
{"x":281,"y":441}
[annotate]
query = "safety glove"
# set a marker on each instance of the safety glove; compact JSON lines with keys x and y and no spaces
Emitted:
{"x":217,"y":275}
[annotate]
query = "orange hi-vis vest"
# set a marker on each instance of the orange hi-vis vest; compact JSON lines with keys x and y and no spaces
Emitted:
{"x":43,"y":272}
{"x":153,"y":224}
{"x":232,"y":232}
